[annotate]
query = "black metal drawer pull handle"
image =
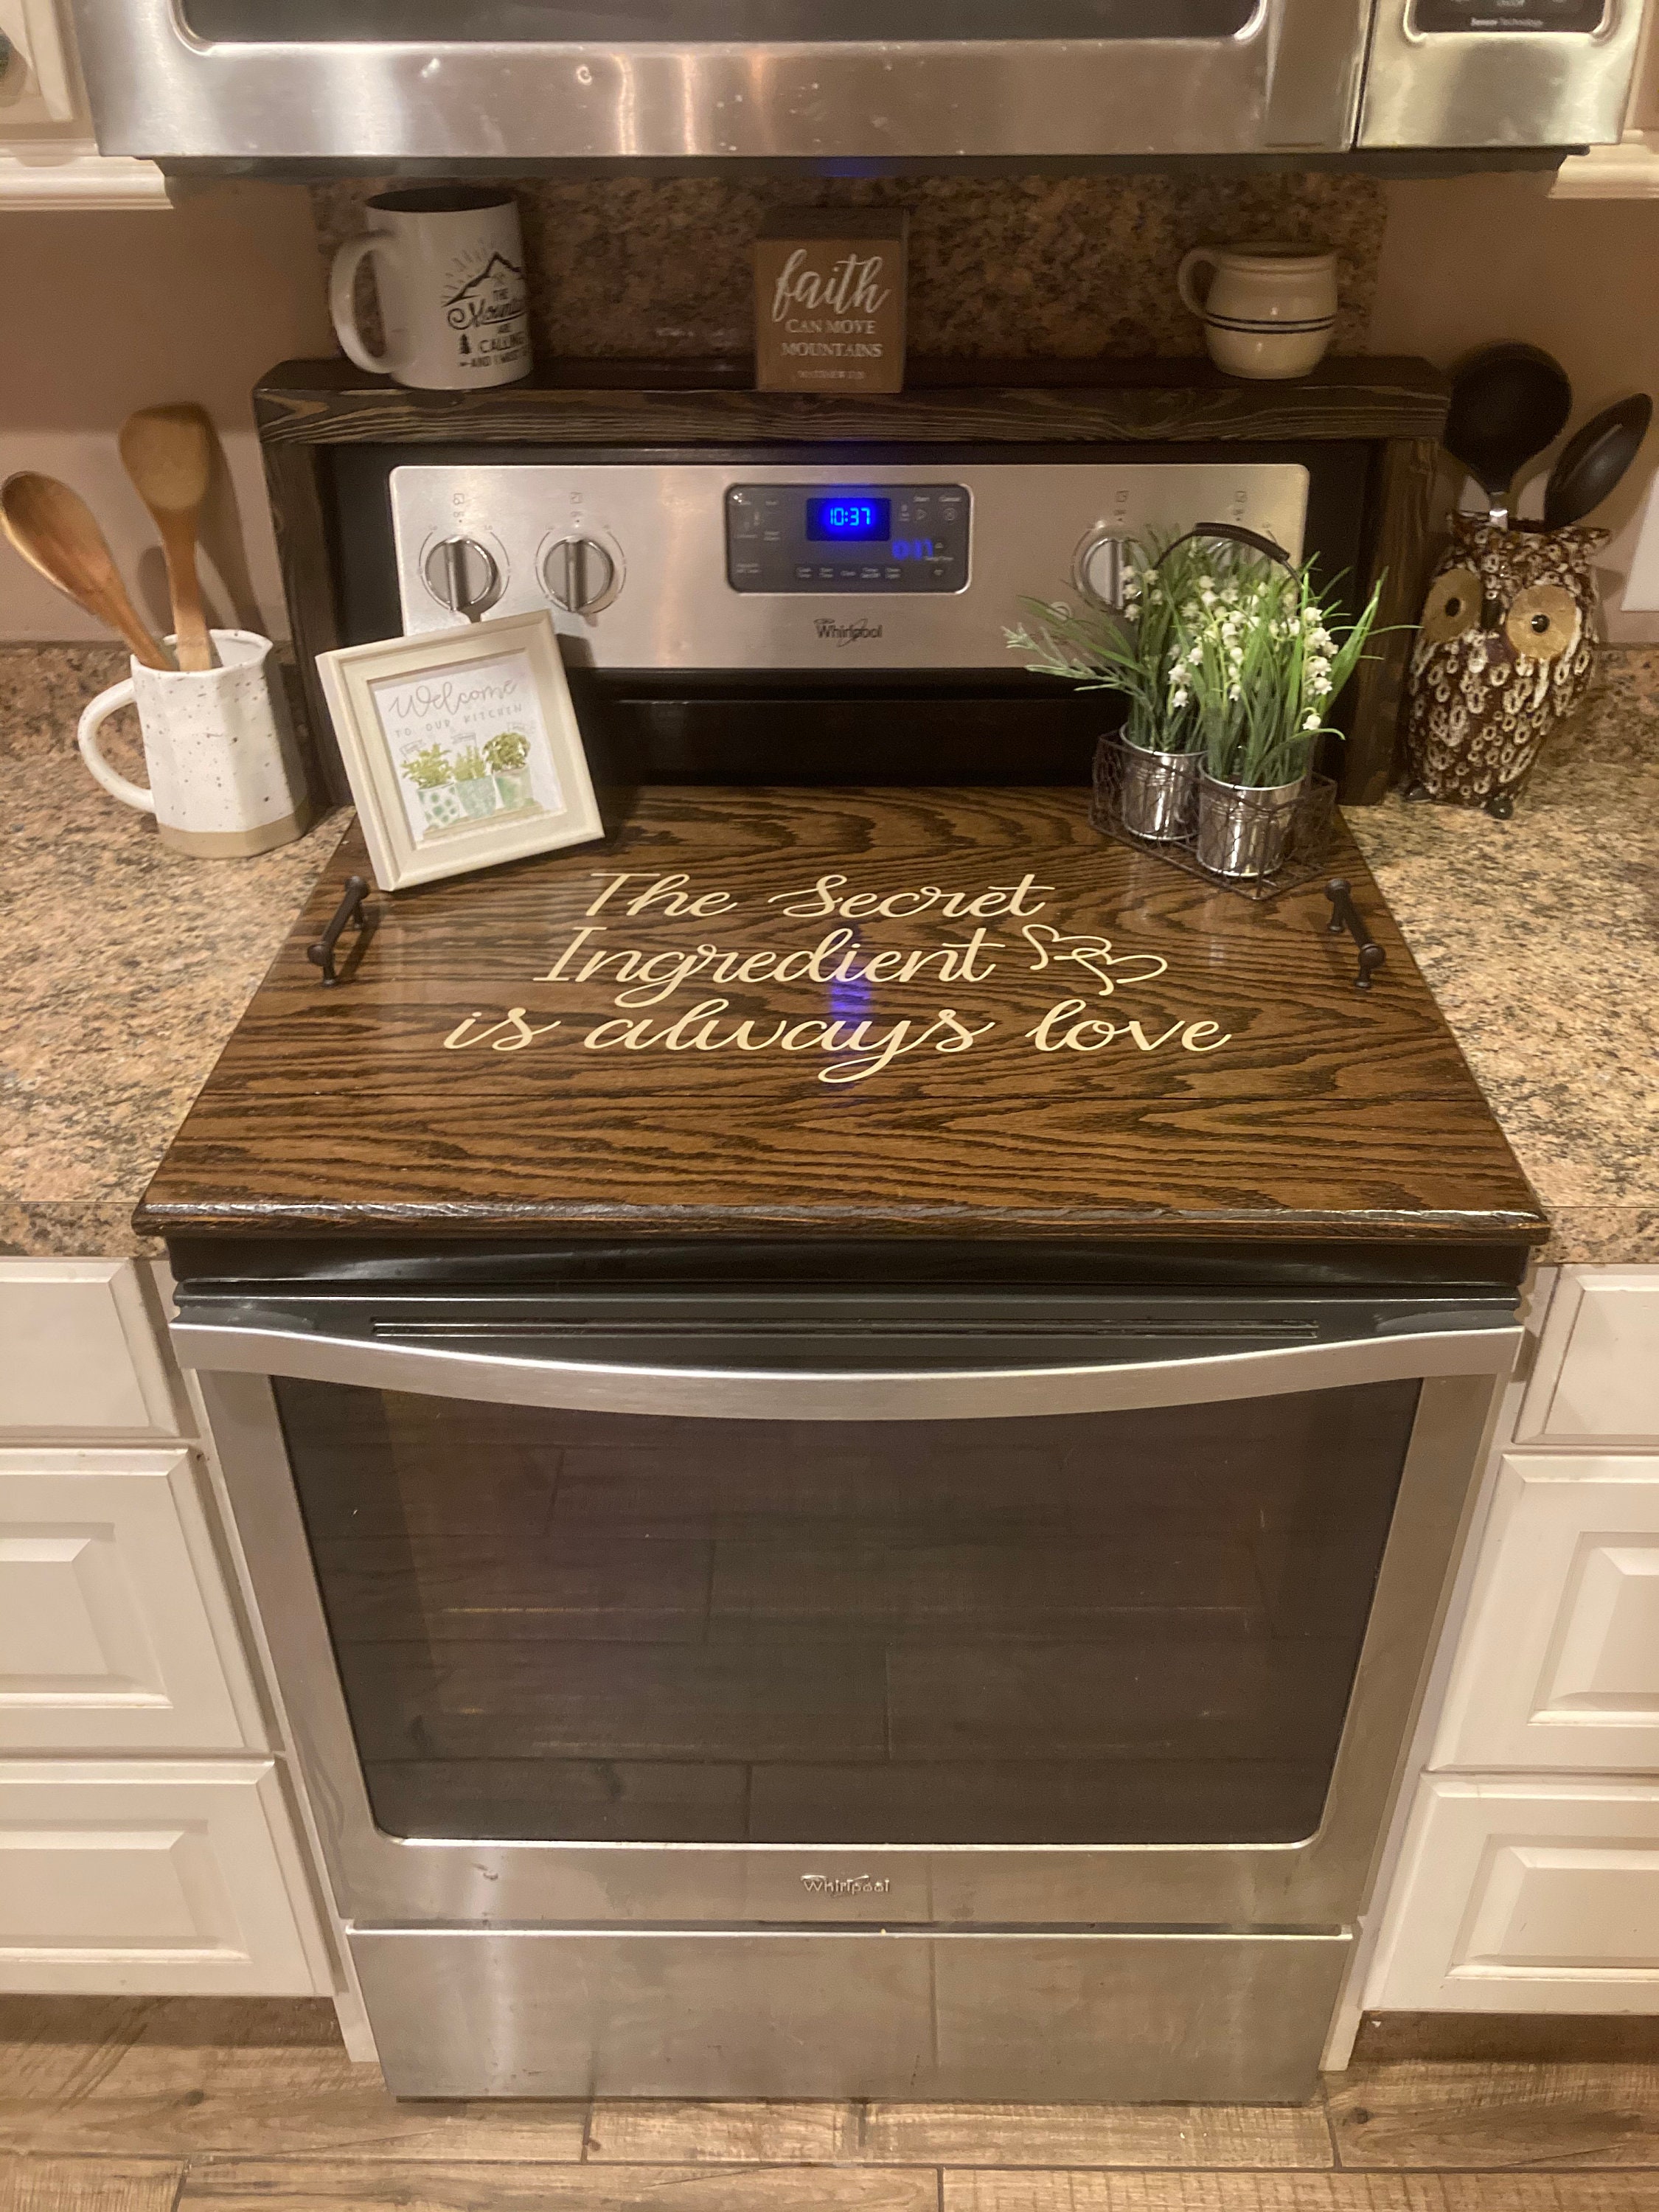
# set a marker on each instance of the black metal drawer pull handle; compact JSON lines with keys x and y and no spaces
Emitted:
{"x":350,"y":913}
{"x":1346,"y":915}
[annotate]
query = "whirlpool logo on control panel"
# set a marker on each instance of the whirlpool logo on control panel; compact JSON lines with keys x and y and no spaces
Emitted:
{"x":842,"y":633}
{"x":847,"y":1884}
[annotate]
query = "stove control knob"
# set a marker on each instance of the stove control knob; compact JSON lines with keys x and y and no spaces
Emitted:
{"x":1100,"y":568}
{"x":580,"y":576}
{"x":463,"y":576}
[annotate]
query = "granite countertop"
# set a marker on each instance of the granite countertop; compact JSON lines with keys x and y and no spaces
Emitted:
{"x":128,"y":966}
{"x":1540,"y":937}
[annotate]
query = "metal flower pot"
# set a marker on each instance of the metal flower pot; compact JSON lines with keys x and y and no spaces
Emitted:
{"x":1156,"y":792}
{"x":1244,"y":830}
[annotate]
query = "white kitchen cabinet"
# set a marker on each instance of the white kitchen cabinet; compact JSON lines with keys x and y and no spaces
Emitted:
{"x":1559,"y":1663}
{"x":143,"y":1848}
{"x":1525,"y":1873}
{"x":1596,"y":1380}
{"x":116,"y":1632}
{"x":78,"y":1351}
{"x":1525,"y":1894}
{"x":133,"y":1878}
{"x":48,"y":157}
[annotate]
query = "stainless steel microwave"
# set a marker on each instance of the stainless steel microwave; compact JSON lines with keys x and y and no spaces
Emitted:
{"x":918,"y":81}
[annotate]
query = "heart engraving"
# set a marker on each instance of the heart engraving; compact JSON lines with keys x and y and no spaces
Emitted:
{"x":1088,"y":949}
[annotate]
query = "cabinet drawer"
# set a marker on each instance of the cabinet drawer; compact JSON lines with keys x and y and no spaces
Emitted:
{"x":1524,"y":1895}
{"x":1558,"y":1663}
{"x":116,"y":1632}
{"x":79,"y":1352}
{"x":1597,"y":1378}
{"x":151,"y":1880}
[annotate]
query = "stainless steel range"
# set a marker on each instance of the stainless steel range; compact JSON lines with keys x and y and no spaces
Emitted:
{"x":708,"y":563}
{"x":912,"y":1585}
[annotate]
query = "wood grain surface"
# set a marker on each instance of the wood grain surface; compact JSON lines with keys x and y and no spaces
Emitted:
{"x":713,"y":403}
{"x":412,"y":1096}
{"x":112,"y":2104}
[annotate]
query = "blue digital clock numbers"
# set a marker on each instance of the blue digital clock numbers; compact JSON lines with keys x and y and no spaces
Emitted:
{"x":843,"y":520}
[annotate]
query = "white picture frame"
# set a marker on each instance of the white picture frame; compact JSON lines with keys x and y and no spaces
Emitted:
{"x":461,"y":747}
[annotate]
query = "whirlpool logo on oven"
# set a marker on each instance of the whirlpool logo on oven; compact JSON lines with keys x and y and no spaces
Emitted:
{"x":847,"y":1884}
{"x":846,"y":633}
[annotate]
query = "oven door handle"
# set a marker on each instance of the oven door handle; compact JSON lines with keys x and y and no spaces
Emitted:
{"x":870,"y":1394}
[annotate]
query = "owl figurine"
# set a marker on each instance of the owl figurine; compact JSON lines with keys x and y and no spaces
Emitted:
{"x":1504,"y":652}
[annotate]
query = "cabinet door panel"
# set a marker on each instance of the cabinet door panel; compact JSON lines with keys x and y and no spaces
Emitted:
{"x":116,"y":1632}
{"x":1525,"y":1895}
{"x":1596,"y":1380}
{"x":1558,"y":1663}
{"x":78,"y":1351}
{"x":166,"y":1880}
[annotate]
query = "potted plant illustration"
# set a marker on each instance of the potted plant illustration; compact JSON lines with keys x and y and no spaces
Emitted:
{"x":508,"y":752}
{"x":430,"y":773}
{"x":474,"y":784}
{"x":1263,"y":654}
{"x":1129,"y":649}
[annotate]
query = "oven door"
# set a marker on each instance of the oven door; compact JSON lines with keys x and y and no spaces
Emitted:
{"x":533,"y":81}
{"x":876,"y":1609}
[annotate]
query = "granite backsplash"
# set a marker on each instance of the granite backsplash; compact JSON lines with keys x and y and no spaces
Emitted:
{"x":1008,"y":267}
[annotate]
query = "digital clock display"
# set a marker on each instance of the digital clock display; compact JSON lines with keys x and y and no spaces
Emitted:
{"x":844,"y":518}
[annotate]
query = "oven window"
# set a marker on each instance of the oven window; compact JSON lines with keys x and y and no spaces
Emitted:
{"x":1109,"y":1628}
{"x":611,"y":23}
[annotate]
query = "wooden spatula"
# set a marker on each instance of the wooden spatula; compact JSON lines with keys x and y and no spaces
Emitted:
{"x":52,"y":527}
{"x":169,"y":453}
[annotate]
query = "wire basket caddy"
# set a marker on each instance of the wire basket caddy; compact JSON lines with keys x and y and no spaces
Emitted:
{"x":1295,"y":847}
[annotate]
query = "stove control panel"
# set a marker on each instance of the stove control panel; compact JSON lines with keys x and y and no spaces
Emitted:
{"x":700,"y":561}
{"x":864,"y":538}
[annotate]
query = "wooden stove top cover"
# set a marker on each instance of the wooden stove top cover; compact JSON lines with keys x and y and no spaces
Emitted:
{"x":940,"y":1013}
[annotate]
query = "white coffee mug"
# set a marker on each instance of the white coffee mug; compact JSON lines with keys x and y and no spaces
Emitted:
{"x":1268,"y":311}
{"x":449,"y":271}
{"x":225,"y":774}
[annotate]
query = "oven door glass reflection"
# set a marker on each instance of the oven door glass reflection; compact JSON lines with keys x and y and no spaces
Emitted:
{"x":1109,"y":1628}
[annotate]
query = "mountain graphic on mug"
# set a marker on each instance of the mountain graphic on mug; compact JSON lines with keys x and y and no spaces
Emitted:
{"x":494,"y":294}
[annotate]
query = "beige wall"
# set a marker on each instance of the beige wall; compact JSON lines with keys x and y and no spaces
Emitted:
{"x":1480,"y":259}
{"x":103,"y":313}
{"x":100,"y":314}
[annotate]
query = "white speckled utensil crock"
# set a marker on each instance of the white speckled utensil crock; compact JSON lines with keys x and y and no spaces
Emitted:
{"x":225,"y":774}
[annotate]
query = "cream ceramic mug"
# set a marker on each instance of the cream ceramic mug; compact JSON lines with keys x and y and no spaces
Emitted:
{"x":449,"y":272}
{"x":225,"y":774}
{"x":1268,"y":311}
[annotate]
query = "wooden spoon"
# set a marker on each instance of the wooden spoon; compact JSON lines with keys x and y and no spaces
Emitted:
{"x":169,"y":453}
{"x":52,"y":527}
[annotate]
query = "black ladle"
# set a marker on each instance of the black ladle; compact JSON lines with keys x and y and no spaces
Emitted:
{"x":1594,"y":458}
{"x":1508,"y":402}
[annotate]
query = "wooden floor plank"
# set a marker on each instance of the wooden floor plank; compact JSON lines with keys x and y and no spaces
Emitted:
{"x":985,"y":2190}
{"x":666,"y":2130}
{"x":178,"y":2078}
{"x":1097,"y":2135}
{"x":393,"y":2185}
{"x":1495,"y":2113}
{"x":88,"y":2184}
{"x":1563,"y":2037}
